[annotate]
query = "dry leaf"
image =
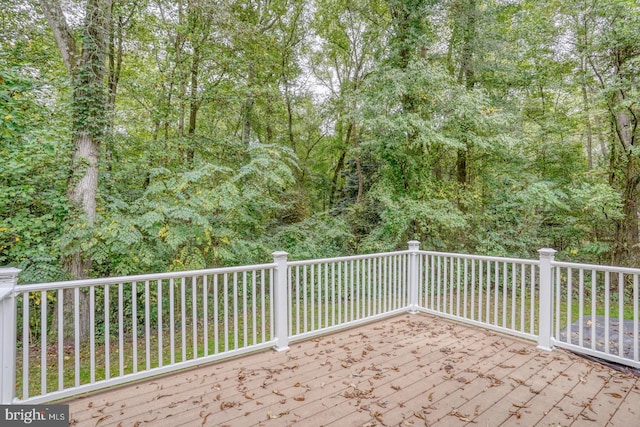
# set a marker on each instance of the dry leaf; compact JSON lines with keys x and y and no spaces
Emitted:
{"x":101,"y":419}
{"x":586,"y":417}
{"x":204,"y":419}
{"x":616,"y":395}
{"x":460,"y":416}
{"x":299,"y":398}
{"x":516,"y":414}
{"x":226,"y":405}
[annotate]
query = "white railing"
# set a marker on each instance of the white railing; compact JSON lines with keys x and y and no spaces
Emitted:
{"x":596,"y":311}
{"x":327,"y":294}
{"x":64,"y":338}
{"x":497,"y":293}
{"x":78,"y":336}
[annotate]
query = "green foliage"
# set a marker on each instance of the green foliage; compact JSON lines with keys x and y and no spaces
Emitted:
{"x":32,"y":180}
{"x":431,"y":220}
{"x":241,"y":128}
{"x":211,"y":215}
{"x":319,"y":236}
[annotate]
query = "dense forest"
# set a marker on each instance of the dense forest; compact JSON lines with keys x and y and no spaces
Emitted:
{"x":152,"y":135}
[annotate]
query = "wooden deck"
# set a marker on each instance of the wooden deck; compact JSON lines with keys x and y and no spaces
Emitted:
{"x":411,"y":370}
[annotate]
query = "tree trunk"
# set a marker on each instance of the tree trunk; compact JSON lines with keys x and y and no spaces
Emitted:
{"x":466,"y":77}
{"x":627,"y":229}
{"x":358,"y":164}
{"x":336,"y":175}
{"x":86,"y":69}
{"x":247,"y":109}
{"x":194,"y":104}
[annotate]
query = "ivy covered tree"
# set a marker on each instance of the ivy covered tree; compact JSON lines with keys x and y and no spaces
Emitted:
{"x":85,"y":61}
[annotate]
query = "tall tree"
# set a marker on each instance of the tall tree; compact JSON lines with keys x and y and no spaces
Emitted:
{"x":351,"y":37}
{"x":610,"y":42}
{"x":465,"y":30}
{"x":85,"y":61}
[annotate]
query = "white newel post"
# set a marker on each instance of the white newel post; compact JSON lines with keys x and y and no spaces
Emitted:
{"x":280,"y":301}
{"x":546,"y":299}
{"x":8,"y":281}
{"x":414,"y":266}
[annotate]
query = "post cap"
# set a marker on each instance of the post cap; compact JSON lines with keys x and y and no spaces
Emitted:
{"x":280,"y":254}
{"x":547,"y":252}
{"x":8,"y":273}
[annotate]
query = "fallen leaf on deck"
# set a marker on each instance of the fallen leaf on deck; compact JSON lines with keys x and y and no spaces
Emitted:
{"x":461,"y":417}
{"x":102,"y":419}
{"x":204,"y":417}
{"x":516,"y":414}
{"x":616,"y":395}
{"x":226,"y":405}
{"x":586,"y":417}
{"x":378,"y":417}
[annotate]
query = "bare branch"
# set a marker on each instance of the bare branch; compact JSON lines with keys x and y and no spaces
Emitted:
{"x":58,"y":23}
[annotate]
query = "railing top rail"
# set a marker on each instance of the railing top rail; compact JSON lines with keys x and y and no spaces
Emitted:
{"x":482,"y":258}
{"x":608,"y":268}
{"x":346,"y":258}
{"x":141,"y":277}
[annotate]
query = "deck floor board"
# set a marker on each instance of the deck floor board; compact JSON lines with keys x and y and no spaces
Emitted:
{"x":409,"y":370}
